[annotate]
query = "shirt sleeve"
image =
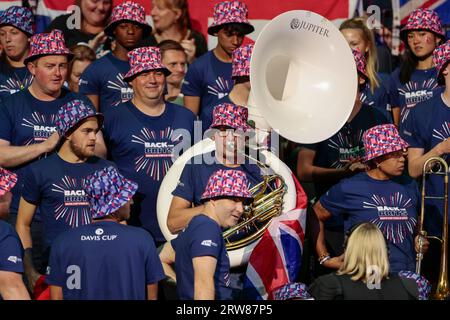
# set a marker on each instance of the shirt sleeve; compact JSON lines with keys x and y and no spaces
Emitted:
{"x":11,"y":252}
{"x":89,"y":81}
{"x":31,"y":187}
{"x":193,"y":84}
{"x":185,"y":185}
{"x":5,"y":123}
{"x":154,"y":270}
{"x":333,"y":200}
{"x":394,"y":98}
{"x":206,"y":240}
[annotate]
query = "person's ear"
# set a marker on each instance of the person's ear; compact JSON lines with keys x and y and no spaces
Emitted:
{"x":178,"y":13}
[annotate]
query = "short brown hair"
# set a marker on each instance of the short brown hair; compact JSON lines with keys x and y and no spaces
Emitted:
{"x":167,"y":45}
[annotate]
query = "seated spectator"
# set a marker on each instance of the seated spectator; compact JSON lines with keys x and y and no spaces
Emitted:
{"x":374,"y":196}
{"x":364,"y":272}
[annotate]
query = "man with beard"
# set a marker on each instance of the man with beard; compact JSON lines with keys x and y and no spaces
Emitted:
{"x":27,"y":118}
{"x":102,"y":81}
{"x":55,"y":184}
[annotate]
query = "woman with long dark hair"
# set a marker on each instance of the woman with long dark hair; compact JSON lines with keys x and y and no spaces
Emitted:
{"x":415,"y":80}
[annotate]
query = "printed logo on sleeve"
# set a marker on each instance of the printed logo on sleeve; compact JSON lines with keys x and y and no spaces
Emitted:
{"x":208,"y":243}
{"x":14,"y":259}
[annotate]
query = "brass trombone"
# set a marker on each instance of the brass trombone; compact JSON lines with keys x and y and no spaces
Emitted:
{"x":436,"y":166}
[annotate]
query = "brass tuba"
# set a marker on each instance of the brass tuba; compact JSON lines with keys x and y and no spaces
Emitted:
{"x":435,"y":166}
{"x":303,"y":85}
{"x":267,"y":203}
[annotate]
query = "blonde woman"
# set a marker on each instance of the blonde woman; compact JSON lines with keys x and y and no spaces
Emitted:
{"x":364,"y":272}
{"x":360,"y":37}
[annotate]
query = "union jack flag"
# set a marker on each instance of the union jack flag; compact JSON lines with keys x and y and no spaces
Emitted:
{"x":277,"y":258}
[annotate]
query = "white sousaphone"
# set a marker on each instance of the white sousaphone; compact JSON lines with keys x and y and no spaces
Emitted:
{"x":304,"y":80}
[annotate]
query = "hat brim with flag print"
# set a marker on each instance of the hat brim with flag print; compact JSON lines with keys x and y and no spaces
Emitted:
{"x":230,"y":115}
{"x":46,"y":44}
{"x":381,"y":140}
{"x":241,"y":61}
{"x":227,"y":184}
{"x":293,"y":290}
{"x":145,"y":59}
{"x":18,"y":17}
{"x":230,"y":12}
{"x":7,"y":181}
{"x":423,"y":19}
{"x":107,"y":191}
{"x":441,"y":57}
{"x":72,"y":113}
{"x":361,"y":63}
{"x":128,"y":12}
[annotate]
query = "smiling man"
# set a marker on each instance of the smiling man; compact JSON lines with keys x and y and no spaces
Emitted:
{"x":28,"y":118}
{"x":141,"y":134}
{"x":102,"y":81}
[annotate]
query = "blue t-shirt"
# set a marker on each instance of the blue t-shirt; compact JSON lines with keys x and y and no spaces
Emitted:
{"x":379,"y":98}
{"x":202,"y":237}
{"x":206,"y":116}
{"x":389,"y":205}
{"x":195,"y":176}
{"x":421,"y":87}
{"x":104,"y":261}
{"x":57,"y":188}
{"x":208,"y":78}
{"x":142,"y":148}
{"x":25,"y":120}
{"x":11,"y":250}
{"x":13,"y":80}
{"x":428,"y":125}
{"x":346,"y":144}
{"x":104,"y":78}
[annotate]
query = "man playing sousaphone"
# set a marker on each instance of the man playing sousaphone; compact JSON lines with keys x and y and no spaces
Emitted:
{"x":230,"y":130}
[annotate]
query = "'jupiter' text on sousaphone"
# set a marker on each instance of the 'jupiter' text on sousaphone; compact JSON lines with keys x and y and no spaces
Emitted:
{"x":303,"y":85}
